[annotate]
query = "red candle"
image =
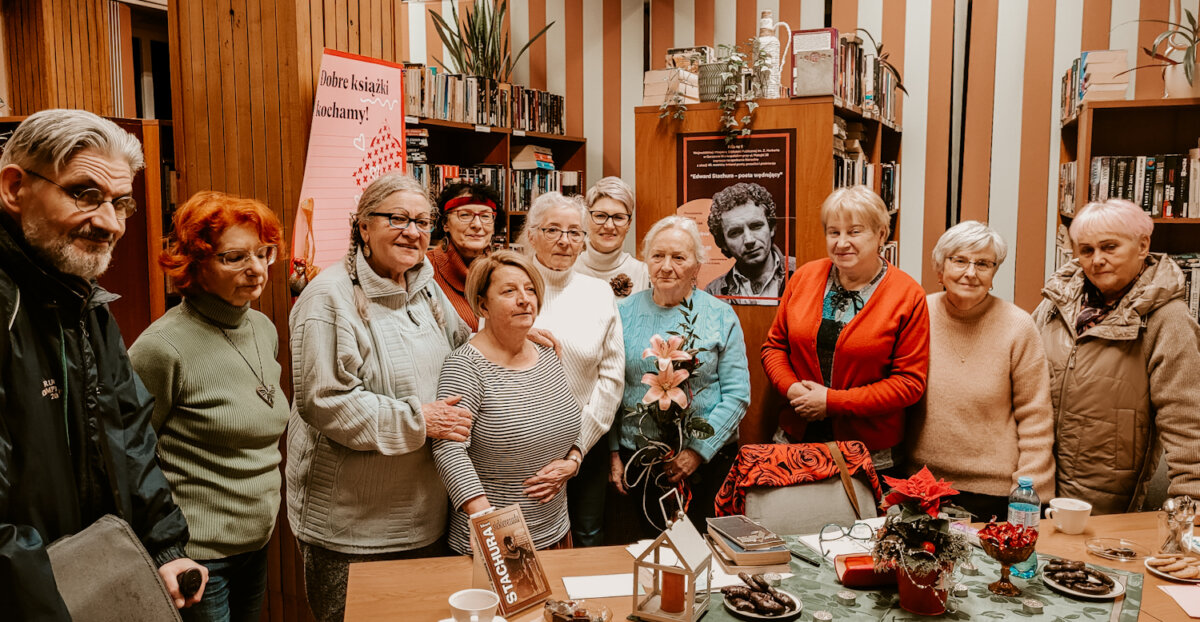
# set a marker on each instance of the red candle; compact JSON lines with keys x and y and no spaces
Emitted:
{"x":673,"y":592}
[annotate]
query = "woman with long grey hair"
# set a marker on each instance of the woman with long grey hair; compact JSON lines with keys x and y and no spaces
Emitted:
{"x":368,"y":338}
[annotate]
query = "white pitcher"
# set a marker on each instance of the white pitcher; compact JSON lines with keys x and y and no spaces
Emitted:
{"x":768,"y":45}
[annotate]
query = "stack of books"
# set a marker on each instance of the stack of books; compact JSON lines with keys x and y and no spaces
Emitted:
{"x":671,"y":86}
{"x":739,"y":542}
{"x":1094,"y":76}
{"x":481,"y":101}
{"x":848,"y":87}
{"x":533,"y":156}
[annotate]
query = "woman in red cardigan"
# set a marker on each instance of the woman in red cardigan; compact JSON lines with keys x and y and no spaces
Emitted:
{"x":850,"y":344}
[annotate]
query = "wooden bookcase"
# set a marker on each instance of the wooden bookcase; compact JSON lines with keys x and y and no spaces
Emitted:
{"x":1133,"y":128}
{"x":465,"y":144}
{"x":812,"y":119}
{"x":134,"y":273}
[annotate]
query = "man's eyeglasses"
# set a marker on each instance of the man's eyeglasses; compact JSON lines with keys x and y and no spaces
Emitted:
{"x":600,"y":218}
{"x":466,"y":217}
{"x":982,"y":266}
{"x":402,"y":221}
{"x":553,"y":234}
{"x":860,"y":532}
{"x":90,"y":199}
{"x":238,"y":259}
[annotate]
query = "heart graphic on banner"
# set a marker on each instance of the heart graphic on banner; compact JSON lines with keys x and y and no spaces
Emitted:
{"x":360,"y":143}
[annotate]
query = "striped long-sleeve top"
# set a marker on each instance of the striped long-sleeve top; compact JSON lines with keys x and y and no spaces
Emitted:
{"x":523,"y":419}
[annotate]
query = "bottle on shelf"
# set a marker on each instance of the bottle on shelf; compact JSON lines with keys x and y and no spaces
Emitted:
{"x":1024,"y":508}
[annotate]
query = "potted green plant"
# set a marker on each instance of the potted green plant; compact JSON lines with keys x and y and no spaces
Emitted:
{"x":740,"y":81}
{"x":1179,"y":72}
{"x":478,"y":44}
{"x":919,"y":545}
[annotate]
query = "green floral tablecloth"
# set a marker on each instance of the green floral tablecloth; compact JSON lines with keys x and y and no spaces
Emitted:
{"x":816,"y":587}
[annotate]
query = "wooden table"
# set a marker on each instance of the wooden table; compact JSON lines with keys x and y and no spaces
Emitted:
{"x":416,"y":590}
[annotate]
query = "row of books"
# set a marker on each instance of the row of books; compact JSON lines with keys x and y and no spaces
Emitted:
{"x":883,"y":177}
{"x":1165,"y":185}
{"x":1094,"y":76}
{"x":529,"y":184}
{"x":1190,"y":264}
{"x":482,"y":101}
{"x":863,"y":79}
{"x":435,"y":177}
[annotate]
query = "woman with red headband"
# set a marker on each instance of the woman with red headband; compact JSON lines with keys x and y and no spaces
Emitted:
{"x":468,"y":220}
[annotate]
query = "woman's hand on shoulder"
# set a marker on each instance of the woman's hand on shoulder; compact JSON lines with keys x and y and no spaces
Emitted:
{"x":545,"y":338}
{"x":809,"y":405}
{"x":444,"y":420}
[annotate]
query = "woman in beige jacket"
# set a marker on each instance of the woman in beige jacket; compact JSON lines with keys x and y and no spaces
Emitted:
{"x":1124,"y":353}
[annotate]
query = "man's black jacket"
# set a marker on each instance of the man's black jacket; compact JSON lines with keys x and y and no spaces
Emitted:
{"x":75,"y":438}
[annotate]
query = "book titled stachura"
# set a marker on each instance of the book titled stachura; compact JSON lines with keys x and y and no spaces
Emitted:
{"x":504,"y":553}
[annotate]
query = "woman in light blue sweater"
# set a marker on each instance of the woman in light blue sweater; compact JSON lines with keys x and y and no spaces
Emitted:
{"x":673,"y":252}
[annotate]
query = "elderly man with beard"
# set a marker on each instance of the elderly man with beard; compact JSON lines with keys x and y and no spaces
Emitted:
{"x":75,"y":439}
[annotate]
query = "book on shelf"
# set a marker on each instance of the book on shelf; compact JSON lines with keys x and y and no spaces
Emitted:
{"x":1066,"y":188}
{"x":891,"y":252}
{"x":1189,"y":263}
{"x":435,"y":177}
{"x":477,"y":100}
{"x":1163,"y":185}
{"x":815,"y":54}
{"x":506,"y":560}
{"x":528,"y":185}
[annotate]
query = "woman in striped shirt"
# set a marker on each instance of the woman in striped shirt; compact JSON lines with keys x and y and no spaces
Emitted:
{"x":526,"y":434}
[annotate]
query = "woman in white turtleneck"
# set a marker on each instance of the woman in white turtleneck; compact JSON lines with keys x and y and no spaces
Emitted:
{"x":581,"y":312}
{"x":610,"y":212}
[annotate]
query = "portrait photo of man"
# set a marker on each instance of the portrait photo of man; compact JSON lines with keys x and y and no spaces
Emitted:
{"x":742,"y":222}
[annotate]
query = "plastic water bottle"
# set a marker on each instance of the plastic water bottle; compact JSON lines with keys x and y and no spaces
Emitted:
{"x":1024,"y":508}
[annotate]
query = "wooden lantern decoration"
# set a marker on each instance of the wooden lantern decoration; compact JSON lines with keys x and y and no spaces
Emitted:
{"x":677,"y":561}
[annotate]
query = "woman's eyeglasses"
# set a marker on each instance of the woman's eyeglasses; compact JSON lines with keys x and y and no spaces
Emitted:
{"x":402,"y":221}
{"x":466,"y":217}
{"x":600,"y":218}
{"x":860,"y":532}
{"x":553,"y":234}
{"x":982,"y":266}
{"x":238,"y":259}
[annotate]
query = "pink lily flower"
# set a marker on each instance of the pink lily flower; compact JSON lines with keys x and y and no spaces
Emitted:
{"x":664,"y":388}
{"x":666,"y":350}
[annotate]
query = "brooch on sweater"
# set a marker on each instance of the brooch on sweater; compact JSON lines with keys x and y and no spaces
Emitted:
{"x":621,"y":285}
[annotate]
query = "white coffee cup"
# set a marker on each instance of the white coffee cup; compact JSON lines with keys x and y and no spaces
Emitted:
{"x":1069,"y":515}
{"x":474,"y":605}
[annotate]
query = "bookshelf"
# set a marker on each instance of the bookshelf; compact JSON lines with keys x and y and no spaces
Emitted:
{"x":1130,"y":128}
{"x":467,"y":145}
{"x":812,"y":118}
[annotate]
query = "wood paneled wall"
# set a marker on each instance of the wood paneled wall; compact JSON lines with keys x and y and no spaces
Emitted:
{"x":57,"y":55}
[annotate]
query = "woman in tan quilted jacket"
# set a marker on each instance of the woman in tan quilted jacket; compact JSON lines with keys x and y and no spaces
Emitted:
{"x":1124,"y":351}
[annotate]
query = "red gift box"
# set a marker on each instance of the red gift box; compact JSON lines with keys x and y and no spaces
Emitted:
{"x":858,"y":570}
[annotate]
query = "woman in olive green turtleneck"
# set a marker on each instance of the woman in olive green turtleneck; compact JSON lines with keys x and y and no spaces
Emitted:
{"x":219,"y":410}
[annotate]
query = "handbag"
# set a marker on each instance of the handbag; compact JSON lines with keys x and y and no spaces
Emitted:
{"x":104,"y":574}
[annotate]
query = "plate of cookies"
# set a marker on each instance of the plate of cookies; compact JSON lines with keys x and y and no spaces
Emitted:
{"x":758,"y":600}
{"x":1075,"y":578}
{"x":1182,"y":568}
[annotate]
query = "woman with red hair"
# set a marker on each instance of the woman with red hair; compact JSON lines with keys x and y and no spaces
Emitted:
{"x":218,"y":408}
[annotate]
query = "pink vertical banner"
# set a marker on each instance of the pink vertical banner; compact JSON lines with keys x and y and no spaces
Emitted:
{"x":357,"y":135}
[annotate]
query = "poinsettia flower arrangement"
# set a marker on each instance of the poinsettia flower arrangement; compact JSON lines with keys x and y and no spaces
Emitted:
{"x":915,"y":539}
{"x":665,"y":420}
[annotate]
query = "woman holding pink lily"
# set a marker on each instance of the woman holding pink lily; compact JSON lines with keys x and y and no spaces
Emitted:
{"x":684,"y":394}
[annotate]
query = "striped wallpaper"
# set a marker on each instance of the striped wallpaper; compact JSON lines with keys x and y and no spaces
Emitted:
{"x":980,"y":123}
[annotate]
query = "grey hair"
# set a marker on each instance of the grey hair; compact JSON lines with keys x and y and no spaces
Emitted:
{"x":970,"y":236}
{"x":542,"y":206}
{"x":383,"y":187}
{"x":48,"y":139}
{"x":857,"y":204}
{"x":682,"y":223}
{"x":614,"y":188}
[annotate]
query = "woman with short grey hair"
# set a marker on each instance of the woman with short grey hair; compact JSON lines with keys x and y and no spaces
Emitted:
{"x":581,"y":312}
{"x":988,"y":391}
{"x":368,"y":339}
{"x":610,"y":216}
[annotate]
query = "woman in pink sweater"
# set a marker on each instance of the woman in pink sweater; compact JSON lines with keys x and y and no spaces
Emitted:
{"x":985,"y":418}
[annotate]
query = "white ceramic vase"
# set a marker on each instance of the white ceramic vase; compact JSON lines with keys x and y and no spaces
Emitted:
{"x":1176,"y":85}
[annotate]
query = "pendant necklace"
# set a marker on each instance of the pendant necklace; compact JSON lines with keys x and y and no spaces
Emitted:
{"x":265,"y":391}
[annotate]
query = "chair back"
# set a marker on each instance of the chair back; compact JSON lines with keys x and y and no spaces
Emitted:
{"x":806,"y":508}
